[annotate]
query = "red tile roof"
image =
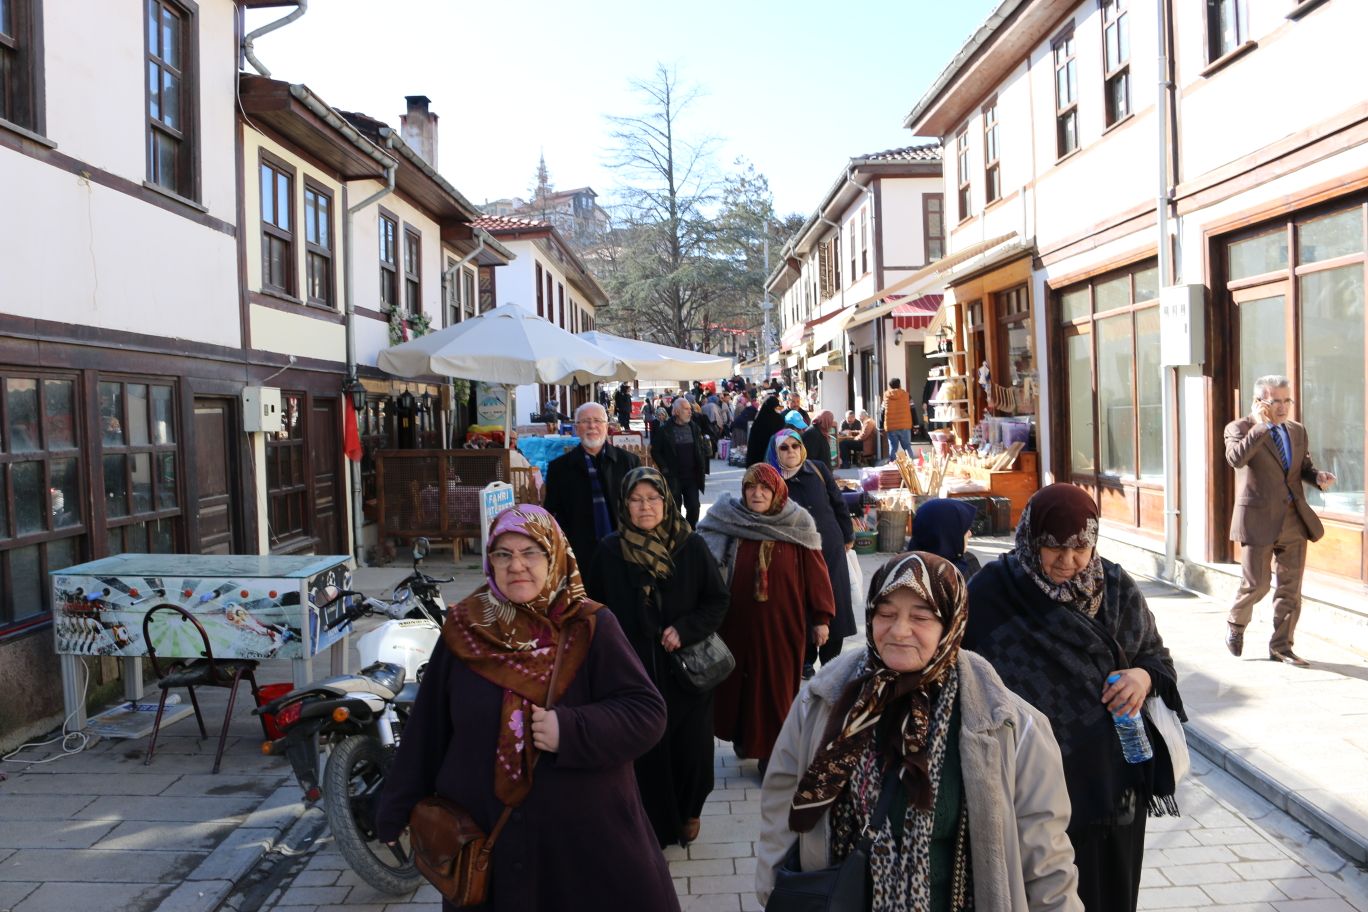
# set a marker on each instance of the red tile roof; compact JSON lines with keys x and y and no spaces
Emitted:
{"x":497,"y":223}
{"x":930,"y":152}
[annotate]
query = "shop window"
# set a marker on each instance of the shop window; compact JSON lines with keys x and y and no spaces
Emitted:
{"x":1113,"y":383}
{"x":140,"y":466}
{"x":1015,"y":371}
{"x":1116,"y":59}
{"x":286,"y":479}
{"x":42,"y":517}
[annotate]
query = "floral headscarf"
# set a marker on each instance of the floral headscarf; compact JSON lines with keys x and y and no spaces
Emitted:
{"x":653,"y":551}
{"x":514,"y":644}
{"x":910,"y":698}
{"x":772,"y":451}
{"x":1062,"y":515}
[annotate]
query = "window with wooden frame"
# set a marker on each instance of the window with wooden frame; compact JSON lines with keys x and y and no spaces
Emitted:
{"x":171,"y":93}
{"x":962,"y":170}
{"x":487,"y":288}
{"x":21,"y":73}
{"x":277,"y":226}
{"x":1227,"y":27}
{"x":318,"y":245}
{"x":1016,"y":384}
{"x":139,"y":455}
{"x":467,"y":294}
{"x":541,"y":300}
{"x":992,"y":174}
{"x":933,"y":225}
{"x":1066,"y":94}
{"x":836,"y":263}
{"x":854,"y":251}
{"x":413,"y":271}
{"x":560,"y":297}
{"x":389,"y":261}
{"x":1113,"y":414}
{"x":864,"y":240}
{"x":825,"y":289}
{"x":550,"y":299}
{"x":43,"y":525}
{"x":287,"y":483}
{"x":1116,"y":59}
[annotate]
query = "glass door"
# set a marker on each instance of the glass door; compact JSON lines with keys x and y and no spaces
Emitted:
{"x":1261,"y":318}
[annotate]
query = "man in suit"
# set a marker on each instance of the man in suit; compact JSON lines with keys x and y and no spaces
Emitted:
{"x":583,"y":486}
{"x":1272,"y":520}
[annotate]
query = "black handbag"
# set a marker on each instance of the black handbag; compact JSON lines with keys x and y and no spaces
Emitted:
{"x":705,"y":664}
{"x":840,"y":887}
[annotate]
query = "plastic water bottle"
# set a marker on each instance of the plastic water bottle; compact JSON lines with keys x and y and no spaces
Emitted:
{"x":1135,"y":744}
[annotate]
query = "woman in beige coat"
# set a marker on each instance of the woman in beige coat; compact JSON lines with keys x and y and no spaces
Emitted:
{"x":979,"y":820}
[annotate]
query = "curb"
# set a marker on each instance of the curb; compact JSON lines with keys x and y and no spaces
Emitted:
{"x":1267,"y":779}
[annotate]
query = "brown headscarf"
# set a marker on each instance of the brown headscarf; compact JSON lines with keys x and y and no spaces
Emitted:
{"x":767,"y":476}
{"x":653,"y":551}
{"x":908,"y":697}
{"x":514,"y":644}
{"x":1062,"y":516}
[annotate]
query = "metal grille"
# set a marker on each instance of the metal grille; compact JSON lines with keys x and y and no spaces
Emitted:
{"x":435,"y":492}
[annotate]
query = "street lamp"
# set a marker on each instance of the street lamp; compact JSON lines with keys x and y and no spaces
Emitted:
{"x":356,"y":391}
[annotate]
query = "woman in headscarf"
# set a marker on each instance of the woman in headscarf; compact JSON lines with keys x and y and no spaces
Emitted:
{"x":825,"y":424}
{"x":666,"y":592}
{"x":480,"y":723}
{"x":812,"y":486}
{"x":941,"y":526}
{"x":770,"y":555}
{"x":769,"y":419}
{"x":1071,"y":633}
{"x":978,"y":814}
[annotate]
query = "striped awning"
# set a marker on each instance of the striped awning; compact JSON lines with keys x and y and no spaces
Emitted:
{"x":916,"y":313}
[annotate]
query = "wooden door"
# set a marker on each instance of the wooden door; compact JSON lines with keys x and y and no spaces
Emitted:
{"x":216,"y":503}
{"x":324,"y":436}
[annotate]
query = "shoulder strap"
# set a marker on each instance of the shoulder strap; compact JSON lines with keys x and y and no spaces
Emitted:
{"x":891,"y":781}
{"x":550,"y":701}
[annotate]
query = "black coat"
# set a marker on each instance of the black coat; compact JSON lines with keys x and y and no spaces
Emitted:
{"x":817,"y":445}
{"x":580,"y":840}
{"x":761,"y":430}
{"x":570,"y":498}
{"x":667,"y":460}
{"x":814,"y":489}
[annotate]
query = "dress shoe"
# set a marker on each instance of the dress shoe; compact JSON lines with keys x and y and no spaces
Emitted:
{"x":1234,"y":639}
{"x":1290,"y":657}
{"x":689,"y":831}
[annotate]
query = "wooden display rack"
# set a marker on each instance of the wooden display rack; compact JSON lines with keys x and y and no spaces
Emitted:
{"x":1016,"y":484}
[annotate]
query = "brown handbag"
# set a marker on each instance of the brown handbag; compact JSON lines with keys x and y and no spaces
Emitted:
{"x":449,"y":848}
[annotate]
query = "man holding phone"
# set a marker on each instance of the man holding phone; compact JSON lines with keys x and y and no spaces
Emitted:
{"x":1272,"y":521}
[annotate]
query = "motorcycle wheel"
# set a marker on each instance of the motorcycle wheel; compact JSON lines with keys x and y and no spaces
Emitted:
{"x":351,"y":787}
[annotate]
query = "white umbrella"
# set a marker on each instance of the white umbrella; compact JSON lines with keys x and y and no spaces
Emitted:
{"x":508,"y":345}
{"x":653,"y":361}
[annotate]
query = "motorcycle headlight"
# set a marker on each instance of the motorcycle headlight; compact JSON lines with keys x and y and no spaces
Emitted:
{"x":386,"y":674}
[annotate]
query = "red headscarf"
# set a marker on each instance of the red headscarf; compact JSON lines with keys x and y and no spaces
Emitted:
{"x":767,"y":476}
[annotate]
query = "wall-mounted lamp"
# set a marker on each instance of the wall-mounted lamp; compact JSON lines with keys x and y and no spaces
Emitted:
{"x":897,"y":337}
{"x":356,"y":391}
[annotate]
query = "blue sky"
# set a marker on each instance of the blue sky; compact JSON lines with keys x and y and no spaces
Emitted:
{"x":796,"y":87}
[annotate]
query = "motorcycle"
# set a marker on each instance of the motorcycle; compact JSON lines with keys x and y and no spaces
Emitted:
{"x":357,"y":720}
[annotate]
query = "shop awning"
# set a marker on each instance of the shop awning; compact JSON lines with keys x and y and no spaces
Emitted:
{"x":920,"y":280}
{"x":829,"y":327}
{"x":916,"y":313}
{"x":792,"y":337}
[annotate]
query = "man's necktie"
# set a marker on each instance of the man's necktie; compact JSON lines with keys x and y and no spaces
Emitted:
{"x":1280,"y":435}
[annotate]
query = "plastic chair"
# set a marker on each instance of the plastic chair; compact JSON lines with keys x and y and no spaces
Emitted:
{"x":191,"y":673}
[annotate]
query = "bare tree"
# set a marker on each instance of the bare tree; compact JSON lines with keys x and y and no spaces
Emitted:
{"x":663,"y":275}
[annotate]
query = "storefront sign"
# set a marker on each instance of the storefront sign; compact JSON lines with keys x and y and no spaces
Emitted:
{"x":495,"y":498}
{"x":491,"y":403}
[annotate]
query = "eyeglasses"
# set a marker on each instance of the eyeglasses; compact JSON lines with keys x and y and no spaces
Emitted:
{"x":531,"y":557}
{"x":787,"y":449}
{"x":653,"y":500}
{"x":1286,"y":403}
{"x":591,"y":421}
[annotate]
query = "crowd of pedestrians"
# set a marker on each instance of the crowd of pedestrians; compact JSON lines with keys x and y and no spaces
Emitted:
{"x":965,"y":753}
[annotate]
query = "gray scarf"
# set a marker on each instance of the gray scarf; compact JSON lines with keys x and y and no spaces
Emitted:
{"x":729,"y":519}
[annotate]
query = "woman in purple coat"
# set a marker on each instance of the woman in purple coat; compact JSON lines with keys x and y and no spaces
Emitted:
{"x":577,"y":837}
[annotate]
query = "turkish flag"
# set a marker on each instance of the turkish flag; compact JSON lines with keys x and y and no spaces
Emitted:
{"x":351,"y":437}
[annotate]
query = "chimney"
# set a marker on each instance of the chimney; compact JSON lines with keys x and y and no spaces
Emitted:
{"x":419,"y":128}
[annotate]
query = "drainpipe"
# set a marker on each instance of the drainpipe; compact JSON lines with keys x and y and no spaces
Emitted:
{"x":249,"y":40}
{"x":1169,"y":378}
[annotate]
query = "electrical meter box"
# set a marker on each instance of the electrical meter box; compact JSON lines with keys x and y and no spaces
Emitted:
{"x":260,"y":409}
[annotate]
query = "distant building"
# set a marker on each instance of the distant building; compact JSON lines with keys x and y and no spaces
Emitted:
{"x":575,"y":214}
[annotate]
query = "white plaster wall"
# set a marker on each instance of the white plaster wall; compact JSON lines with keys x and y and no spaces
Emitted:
{"x":372,"y":336}
{"x":1302,"y":72}
{"x":95,"y":74}
{"x":295,"y":334}
{"x":904,"y":237}
{"x":91,"y":256}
